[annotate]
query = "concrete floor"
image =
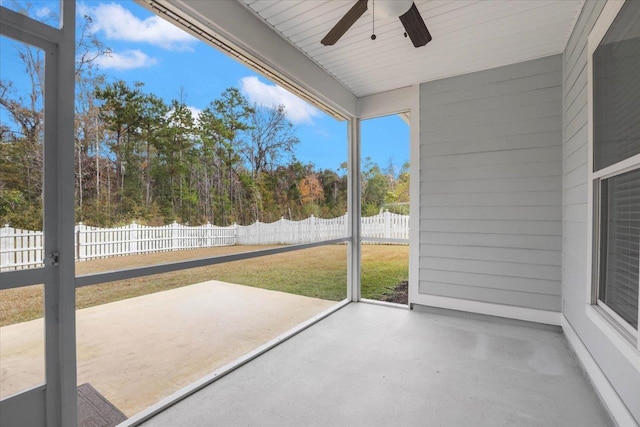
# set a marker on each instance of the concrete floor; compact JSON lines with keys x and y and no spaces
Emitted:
{"x":138,"y":351}
{"x":368,"y":365}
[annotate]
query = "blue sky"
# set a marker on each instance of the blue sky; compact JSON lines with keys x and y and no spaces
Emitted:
{"x":169,"y":62}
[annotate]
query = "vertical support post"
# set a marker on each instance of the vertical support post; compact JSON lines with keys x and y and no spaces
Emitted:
{"x":353,"y":211}
{"x":60,"y":313}
{"x":414,"y":195}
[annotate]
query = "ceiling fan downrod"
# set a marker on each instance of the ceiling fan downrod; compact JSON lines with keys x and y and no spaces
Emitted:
{"x":373,"y":20}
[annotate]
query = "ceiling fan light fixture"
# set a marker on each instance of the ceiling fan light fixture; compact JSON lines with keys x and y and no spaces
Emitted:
{"x":392,"y":8}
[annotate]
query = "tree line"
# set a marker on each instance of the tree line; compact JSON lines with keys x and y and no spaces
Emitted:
{"x":139,"y":157}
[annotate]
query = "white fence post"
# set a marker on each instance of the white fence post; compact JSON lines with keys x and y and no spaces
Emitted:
{"x":208,"y":235}
{"x":77,"y":239}
{"x":7,"y":246}
{"x":387,"y":224}
{"x":133,"y":238}
{"x":174,"y":235}
{"x":235,"y":238}
{"x":312,"y":226}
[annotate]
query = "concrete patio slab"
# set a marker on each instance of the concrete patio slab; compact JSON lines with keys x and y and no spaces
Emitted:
{"x":137,"y":351}
{"x":367,"y":365}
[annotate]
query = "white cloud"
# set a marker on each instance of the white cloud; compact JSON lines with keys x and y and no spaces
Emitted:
{"x":126,"y":60}
{"x":271,"y":96}
{"x":118,"y":23}
{"x":195,"y":112}
{"x":43,"y":12}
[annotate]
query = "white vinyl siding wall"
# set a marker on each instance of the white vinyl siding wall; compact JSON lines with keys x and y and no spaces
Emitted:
{"x":491,"y":185}
{"x":619,"y":371}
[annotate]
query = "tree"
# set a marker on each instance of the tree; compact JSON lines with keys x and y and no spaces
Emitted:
{"x":399,"y":194}
{"x":335,"y":193}
{"x":152,"y":123}
{"x":22,"y":143}
{"x":271,"y":142}
{"x":88,"y":127}
{"x":121,"y":112}
{"x":174,"y":156}
{"x":272,"y":139}
{"x":311,"y":193}
{"x":22,"y":137}
{"x":375,"y":186}
{"x":221,"y":126}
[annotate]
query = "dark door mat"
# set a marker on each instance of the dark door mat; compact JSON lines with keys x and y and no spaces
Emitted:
{"x":94,"y":410}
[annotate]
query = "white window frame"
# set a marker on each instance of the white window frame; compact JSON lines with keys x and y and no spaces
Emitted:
{"x":400,"y":101}
{"x":54,"y":403}
{"x":622,"y":334}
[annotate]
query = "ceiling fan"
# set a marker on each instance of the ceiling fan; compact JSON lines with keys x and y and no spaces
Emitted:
{"x":406,"y":10}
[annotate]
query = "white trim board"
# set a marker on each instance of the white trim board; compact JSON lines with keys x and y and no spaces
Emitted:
{"x":597,"y":33}
{"x":414,"y":194}
{"x":395,"y":101}
{"x":497,"y":310}
{"x":403,"y":100}
{"x":601,"y":384}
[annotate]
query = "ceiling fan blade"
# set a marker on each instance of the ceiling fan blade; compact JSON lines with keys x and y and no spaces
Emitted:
{"x":350,"y":18}
{"x":415,"y":27}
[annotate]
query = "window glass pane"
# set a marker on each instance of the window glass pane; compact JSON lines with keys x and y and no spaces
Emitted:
{"x":385,"y":208}
{"x":385,"y":272}
{"x":620,"y":235}
{"x":385,"y":169}
{"x":21,"y":155}
{"x":173,"y":158}
{"x":616,"y":90}
{"x":45,"y":11}
{"x":182,"y":153}
{"x":142,"y":339}
{"x":21,"y":339}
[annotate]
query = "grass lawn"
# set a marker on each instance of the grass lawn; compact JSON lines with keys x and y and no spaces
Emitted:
{"x":317,"y":272}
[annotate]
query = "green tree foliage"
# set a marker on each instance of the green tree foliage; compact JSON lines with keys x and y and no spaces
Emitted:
{"x":221,"y":126}
{"x":398,"y":196}
{"x":22,"y":133}
{"x":141,"y":158}
{"x":21,"y":149}
{"x":375,"y":186}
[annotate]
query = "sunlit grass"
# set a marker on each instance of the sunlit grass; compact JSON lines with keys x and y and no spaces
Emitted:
{"x":383,"y":267}
{"x":318,"y":273}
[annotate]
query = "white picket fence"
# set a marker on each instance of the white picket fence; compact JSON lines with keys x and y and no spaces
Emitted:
{"x":286,"y":232}
{"x":94,"y":242}
{"x":21,"y":249}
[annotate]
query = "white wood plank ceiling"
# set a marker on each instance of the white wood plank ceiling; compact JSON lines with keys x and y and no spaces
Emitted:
{"x":468,"y":36}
